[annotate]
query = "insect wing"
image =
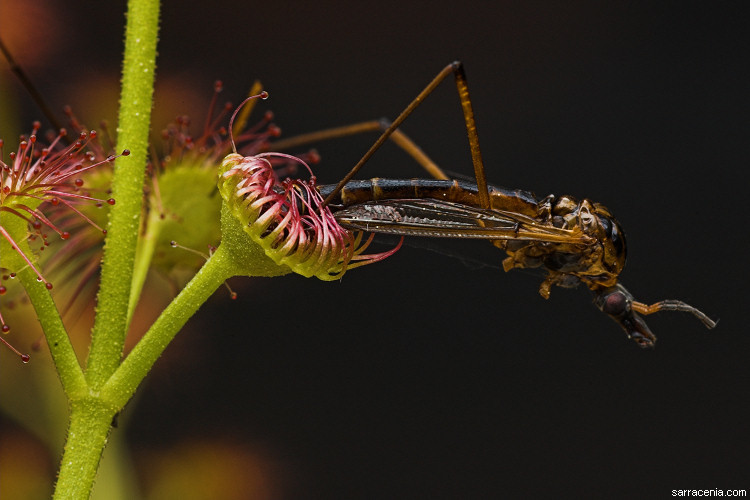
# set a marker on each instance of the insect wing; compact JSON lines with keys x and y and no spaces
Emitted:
{"x":443,"y":219}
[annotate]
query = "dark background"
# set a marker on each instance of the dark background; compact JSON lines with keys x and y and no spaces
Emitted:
{"x":434,"y":376}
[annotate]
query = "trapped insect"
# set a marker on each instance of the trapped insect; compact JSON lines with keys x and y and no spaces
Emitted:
{"x":574,"y":241}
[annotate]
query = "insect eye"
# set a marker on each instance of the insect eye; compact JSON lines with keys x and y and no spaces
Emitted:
{"x":607,"y":225}
{"x":614,"y":234}
{"x":617,"y":237}
{"x":615,"y":304}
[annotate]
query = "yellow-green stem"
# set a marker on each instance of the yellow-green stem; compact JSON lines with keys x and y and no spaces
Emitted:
{"x":144,"y":257}
{"x":66,"y":362}
{"x":90,"y":421}
{"x":139,"y":64}
{"x":123,"y":383}
{"x":63,"y":355}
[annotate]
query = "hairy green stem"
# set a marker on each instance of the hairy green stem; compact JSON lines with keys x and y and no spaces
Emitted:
{"x":91,"y":414}
{"x":236,"y":256}
{"x":67,"y":365}
{"x":123,"y":383}
{"x":144,"y":257}
{"x":63,"y":355}
{"x":139,"y":64}
{"x":90,"y":422}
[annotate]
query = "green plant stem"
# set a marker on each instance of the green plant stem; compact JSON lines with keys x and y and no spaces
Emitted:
{"x":91,"y":416}
{"x":144,"y":257}
{"x":71,"y":376}
{"x":63,"y":355}
{"x":237,"y":255}
{"x":90,"y":421}
{"x":139,"y":64}
{"x":123,"y":383}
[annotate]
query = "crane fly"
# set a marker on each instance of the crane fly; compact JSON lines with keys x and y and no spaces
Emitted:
{"x":574,"y":241}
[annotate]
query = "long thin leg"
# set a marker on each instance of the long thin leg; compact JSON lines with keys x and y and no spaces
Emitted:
{"x":398,"y":137}
{"x":456,"y":68}
{"x":471,"y":131}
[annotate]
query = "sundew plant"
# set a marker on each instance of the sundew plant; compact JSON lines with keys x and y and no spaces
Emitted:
{"x":60,"y":188}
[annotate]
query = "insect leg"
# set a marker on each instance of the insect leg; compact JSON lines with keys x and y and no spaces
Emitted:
{"x":398,"y":137}
{"x":463,"y":92}
{"x":471,"y":131}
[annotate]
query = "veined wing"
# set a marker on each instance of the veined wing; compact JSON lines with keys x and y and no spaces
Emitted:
{"x":443,"y":219}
